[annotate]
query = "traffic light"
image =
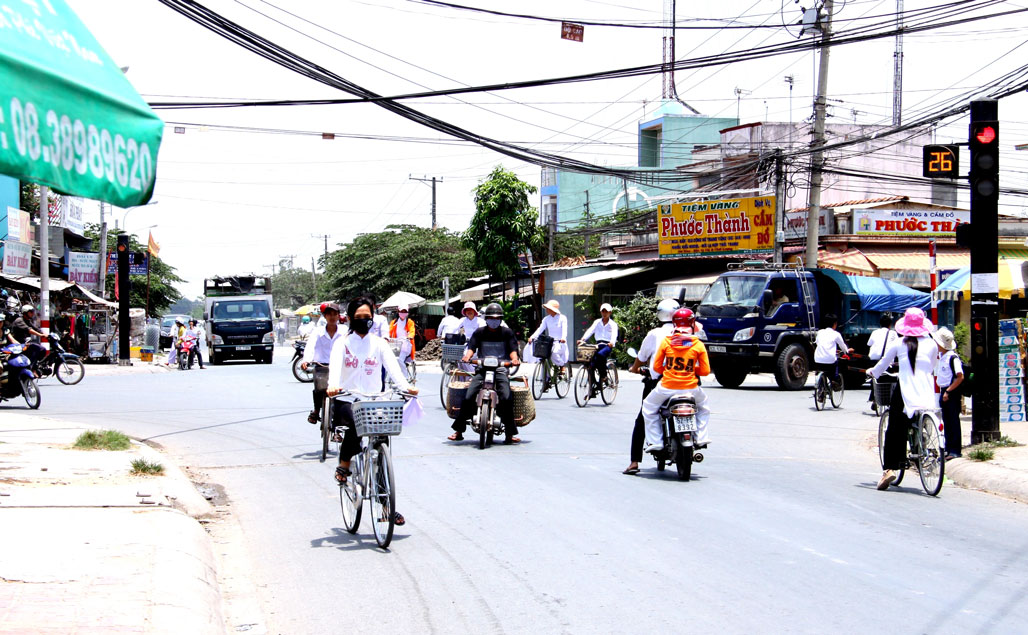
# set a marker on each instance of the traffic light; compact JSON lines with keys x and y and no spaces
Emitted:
{"x":979,"y":336}
{"x":984,"y":143}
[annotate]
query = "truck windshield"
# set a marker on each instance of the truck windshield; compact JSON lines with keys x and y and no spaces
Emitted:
{"x":240,"y":309}
{"x":735,"y":290}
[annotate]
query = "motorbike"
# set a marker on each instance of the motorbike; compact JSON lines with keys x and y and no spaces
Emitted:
{"x":679,"y":428}
{"x":66,"y":366}
{"x":486,"y":421}
{"x":304,"y":376}
{"x":16,"y":376}
{"x":188,"y":344}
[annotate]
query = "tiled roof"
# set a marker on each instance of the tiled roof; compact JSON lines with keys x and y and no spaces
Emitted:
{"x":862,"y":201}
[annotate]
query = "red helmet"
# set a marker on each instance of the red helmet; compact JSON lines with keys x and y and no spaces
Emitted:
{"x":324,"y":305}
{"x":683,"y":317}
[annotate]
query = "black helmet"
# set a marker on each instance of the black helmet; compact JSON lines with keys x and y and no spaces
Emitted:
{"x":494,"y":310}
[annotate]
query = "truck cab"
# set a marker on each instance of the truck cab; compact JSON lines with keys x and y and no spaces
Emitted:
{"x":239,"y":315}
{"x":762,"y":318}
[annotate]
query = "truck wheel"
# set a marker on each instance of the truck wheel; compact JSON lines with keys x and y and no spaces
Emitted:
{"x":792,"y":367}
{"x":213,"y":358}
{"x":730,"y":377}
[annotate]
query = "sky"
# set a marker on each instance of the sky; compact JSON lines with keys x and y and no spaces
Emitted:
{"x":244,"y":188}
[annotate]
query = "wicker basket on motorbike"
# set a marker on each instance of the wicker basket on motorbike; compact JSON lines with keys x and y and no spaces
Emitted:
{"x":396,"y":344}
{"x":884,"y":386}
{"x":455,"y":392}
{"x":453,"y":352}
{"x":542,"y":347}
{"x":585,"y":352}
{"x":378,"y":417}
{"x":524,"y":403}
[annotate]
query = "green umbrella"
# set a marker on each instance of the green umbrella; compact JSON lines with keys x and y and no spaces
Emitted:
{"x":68,"y":117}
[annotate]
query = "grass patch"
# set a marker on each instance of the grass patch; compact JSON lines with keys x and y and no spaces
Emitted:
{"x":142,"y":466}
{"x":102,"y":440}
{"x":1005,"y":442}
{"x":980,"y":452}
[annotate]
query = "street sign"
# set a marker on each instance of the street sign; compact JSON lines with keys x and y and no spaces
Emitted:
{"x":571,"y":31}
{"x":137,"y":263}
{"x":941,"y":162}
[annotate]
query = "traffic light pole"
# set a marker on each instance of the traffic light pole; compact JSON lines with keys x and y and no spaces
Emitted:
{"x":124,"y":288}
{"x":984,"y":182}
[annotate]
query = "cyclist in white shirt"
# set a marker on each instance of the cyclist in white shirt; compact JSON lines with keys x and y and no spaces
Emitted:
{"x":555,"y":324}
{"x":605,"y":330}
{"x":877,"y":343}
{"x":449,"y":324}
{"x":828,"y":343}
{"x":318,"y":353}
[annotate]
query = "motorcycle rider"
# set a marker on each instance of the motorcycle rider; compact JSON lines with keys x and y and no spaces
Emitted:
{"x":605,"y":330}
{"x":665,"y":309}
{"x":403,"y":328}
{"x":5,"y":332}
{"x":493,"y":340}
{"x":25,"y":326}
{"x":178,"y":331}
{"x":319,"y":353}
{"x":306,"y":327}
{"x":194,"y":332}
{"x":681,"y":358}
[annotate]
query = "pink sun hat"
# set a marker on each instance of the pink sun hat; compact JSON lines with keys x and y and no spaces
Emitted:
{"x":914,"y":324}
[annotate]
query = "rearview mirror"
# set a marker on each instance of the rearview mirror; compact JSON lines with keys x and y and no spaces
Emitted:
{"x":205,"y":317}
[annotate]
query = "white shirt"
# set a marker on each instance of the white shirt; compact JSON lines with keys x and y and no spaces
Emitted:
{"x":944,"y":372}
{"x":304,"y":330}
{"x":828,"y":340}
{"x":320,"y":350}
{"x":357,"y":363}
{"x":556,"y":326}
{"x":449,"y":324}
{"x":916,"y":384}
{"x":470,"y":326}
{"x":603,"y":332}
{"x":380,"y":326}
{"x":193,"y":333}
{"x":879,"y":341}
{"x":649,"y":345}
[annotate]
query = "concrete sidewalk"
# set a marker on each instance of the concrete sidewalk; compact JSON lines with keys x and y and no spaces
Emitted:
{"x":88,"y":547}
{"x":1005,"y":475}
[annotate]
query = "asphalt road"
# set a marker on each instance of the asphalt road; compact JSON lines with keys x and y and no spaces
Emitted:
{"x":781,"y":529}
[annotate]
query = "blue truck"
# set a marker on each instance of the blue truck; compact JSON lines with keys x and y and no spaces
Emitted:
{"x":239,"y":312}
{"x":762,"y":318}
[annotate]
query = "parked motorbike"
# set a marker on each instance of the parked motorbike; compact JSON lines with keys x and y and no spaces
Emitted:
{"x":188,"y":344}
{"x":16,"y":376}
{"x":66,"y":366}
{"x":679,"y":428}
{"x":486,"y":421}
{"x":305,"y":376}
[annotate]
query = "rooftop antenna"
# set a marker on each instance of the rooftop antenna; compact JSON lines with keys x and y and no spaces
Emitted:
{"x":738,"y":101}
{"x":668,"y":88}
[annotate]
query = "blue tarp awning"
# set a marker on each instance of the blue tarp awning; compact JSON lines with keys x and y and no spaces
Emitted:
{"x":882,"y":295}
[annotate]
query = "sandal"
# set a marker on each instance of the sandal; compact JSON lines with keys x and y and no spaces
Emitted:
{"x":511,"y":441}
{"x":631,"y":471}
{"x":312,"y":417}
{"x":341,"y":474}
{"x":398,"y":519}
{"x":456,"y":436}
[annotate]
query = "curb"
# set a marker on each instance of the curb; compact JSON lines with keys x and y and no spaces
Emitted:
{"x":986,"y":477}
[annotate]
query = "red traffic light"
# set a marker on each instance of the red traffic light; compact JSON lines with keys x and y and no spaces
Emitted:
{"x":985,"y":134}
{"x":977,"y":326}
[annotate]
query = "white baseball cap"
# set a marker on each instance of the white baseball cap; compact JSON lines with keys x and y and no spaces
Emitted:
{"x":606,"y":307}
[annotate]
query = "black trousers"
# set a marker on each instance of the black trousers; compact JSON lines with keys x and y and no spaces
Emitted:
{"x":195,"y":352}
{"x":951,"y":424}
{"x":320,"y":379}
{"x":639,"y":432}
{"x":504,"y":407}
{"x":896,"y":433}
{"x":342,"y":417}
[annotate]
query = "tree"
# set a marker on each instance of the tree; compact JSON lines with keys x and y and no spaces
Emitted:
{"x":292,"y":288}
{"x":162,"y":275}
{"x":403,"y":257}
{"x":504,"y":225}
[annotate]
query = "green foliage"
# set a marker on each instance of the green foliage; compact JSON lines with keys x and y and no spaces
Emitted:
{"x":962,"y":335}
{"x":635,"y":320}
{"x":401,"y":258}
{"x":504,"y":224}
{"x":568,"y":245}
{"x":980,"y":452}
{"x":292,"y":288}
{"x":162,"y":275}
{"x":519,"y":319}
{"x":29,"y":198}
{"x":102,"y":440}
{"x":1005,"y":442}
{"x":142,"y":467}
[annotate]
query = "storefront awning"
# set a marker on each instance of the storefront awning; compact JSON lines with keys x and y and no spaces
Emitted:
{"x":475,"y":293}
{"x":33,"y":282}
{"x":852,"y":262}
{"x":694,"y":287}
{"x":584,"y":285}
{"x":958,"y":285}
{"x":911,"y":268}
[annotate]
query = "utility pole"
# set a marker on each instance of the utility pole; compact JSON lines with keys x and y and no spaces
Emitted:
{"x":282,"y":259}
{"x":790,"y":80}
{"x":314,"y":278}
{"x":587,"y":228}
{"x":817,"y":158}
{"x":44,"y":265}
{"x":897,"y":73}
{"x":103,"y":253}
{"x":325,"y":238}
{"x":553,"y":229}
{"x":779,"y":206}
{"x":433,"y":181}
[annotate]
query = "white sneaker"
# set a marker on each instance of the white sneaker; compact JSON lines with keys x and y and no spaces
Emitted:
{"x":653,"y":448}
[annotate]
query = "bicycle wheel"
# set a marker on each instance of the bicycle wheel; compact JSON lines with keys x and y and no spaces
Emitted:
{"x":562,"y":384}
{"x":582,"y":387}
{"x":931,"y":464}
{"x":383,"y":496}
{"x":836,"y":394}
{"x":883,"y":423}
{"x":349,"y":501}
{"x":70,"y":371}
{"x":820,"y":392}
{"x":609,"y":390}
{"x":539,"y":379}
{"x":444,"y":384}
{"x":326,"y":432}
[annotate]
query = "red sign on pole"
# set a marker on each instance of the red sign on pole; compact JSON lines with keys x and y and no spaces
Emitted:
{"x":571,"y":31}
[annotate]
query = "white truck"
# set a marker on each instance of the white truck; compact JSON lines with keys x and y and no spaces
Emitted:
{"x":239,"y":315}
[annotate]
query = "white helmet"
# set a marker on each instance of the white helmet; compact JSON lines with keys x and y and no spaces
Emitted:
{"x":666,"y":309}
{"x":27,"y":308}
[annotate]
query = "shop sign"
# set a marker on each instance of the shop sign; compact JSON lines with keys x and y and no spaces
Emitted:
{"x":908,"y":222}
{"x":84,"y":269}
{"x":18,"y":225}
{"x":707,"y":228}
{"x":17,"y":258}
{"x":796,"y":223}
{"x":72,"y":214}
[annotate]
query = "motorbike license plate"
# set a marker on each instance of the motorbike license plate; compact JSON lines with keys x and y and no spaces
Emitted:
{"x":242,"y":348}
{"x":717,"y":349}
{"x":686,"y":423}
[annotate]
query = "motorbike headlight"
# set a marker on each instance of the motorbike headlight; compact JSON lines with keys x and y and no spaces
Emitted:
{"x":216,"y":339}
{"x":269,"y":338}
{"x":744,"y":334}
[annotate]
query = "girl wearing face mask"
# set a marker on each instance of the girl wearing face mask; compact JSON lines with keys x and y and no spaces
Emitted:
{"x":356,"y":365}
{"x":402,"y":327}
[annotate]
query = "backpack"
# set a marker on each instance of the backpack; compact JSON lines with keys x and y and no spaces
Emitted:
{"x":966,"y":387}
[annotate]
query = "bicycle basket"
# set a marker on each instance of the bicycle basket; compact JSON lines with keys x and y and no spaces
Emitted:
{"x":542,"y":348}
{"x":396,"y":344}
{"x":883,"y":391}
{"x":453,"y":352}
{"x":586,"y":352}
{"x":378,"y":417}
